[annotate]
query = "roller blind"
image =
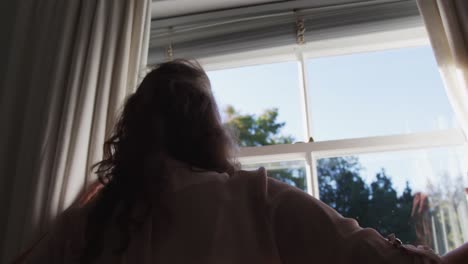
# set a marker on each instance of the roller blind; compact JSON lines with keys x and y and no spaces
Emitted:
{"x":272,"y":25}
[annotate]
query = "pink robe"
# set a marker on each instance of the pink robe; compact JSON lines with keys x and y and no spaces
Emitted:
{"x":246,"y":218}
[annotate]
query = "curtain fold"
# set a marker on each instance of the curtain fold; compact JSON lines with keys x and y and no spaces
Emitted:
{"x":447,"y":25}
{"x":72,"y":65}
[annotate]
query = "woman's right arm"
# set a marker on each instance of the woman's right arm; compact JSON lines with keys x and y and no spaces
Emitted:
{"x":308,"y":231}
{"x":457,"y":256}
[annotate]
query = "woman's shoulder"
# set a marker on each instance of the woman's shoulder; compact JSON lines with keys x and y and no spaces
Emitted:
{"x":257,"y":183}
{"x":63,"y":240}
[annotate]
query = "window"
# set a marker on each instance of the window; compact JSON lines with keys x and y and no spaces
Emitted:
{"x":268,"y":93}
{"x":390,"y":92}
{"x":385,"y":147}
{"x":418,"y":194}
{"x":291,"y":172}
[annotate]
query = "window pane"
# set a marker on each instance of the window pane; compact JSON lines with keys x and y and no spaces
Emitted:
{"x":290,"y":172}
{"x":419,"y":195}
{"x":377,"y":93}
{"x":265,"y":100}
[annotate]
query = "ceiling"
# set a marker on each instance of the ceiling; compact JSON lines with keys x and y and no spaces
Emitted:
{"x":171,"y":8}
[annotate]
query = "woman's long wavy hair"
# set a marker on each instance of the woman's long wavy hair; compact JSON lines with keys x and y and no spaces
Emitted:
{"x":172,"y":115}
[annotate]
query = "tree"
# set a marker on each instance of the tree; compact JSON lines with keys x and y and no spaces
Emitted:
{"x":251,"y":130}
{"x":391,"y":213}
{"x":375,"y":205}
{"x":341,"y":186}
{"x":406,"y":229}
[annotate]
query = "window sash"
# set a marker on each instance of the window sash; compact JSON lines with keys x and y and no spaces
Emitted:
{"x":312,"y":151}
{"x":343,"y":147}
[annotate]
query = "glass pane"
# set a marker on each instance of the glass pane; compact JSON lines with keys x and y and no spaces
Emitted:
{"x":377,"y":93}
{"x":261,"y":102}
{"x":290,"y":172}
{"x":420,"y":195}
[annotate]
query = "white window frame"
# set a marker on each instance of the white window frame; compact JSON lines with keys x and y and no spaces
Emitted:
{"x":310,"y":152}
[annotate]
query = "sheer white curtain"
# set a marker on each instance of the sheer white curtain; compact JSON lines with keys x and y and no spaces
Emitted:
{"x":447,"y":24}
{"x":70,"y":66}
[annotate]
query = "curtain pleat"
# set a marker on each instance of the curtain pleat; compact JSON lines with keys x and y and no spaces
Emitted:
{"x":72,"y":65}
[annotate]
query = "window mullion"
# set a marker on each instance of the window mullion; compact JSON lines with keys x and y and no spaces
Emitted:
{"x":303,"y":85}
{"x":310,"y":175}
{"x":314,"y":183}
{"x":311,"y":170}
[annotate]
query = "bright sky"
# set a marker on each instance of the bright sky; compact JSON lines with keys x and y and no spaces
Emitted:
{"x":359,"y":95}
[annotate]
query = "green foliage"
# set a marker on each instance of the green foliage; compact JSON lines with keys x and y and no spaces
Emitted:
{"x":295,"y":177}
{"x":252,"y":130}
{"x":262,"y":130}
{"x":375,"y":205}
{"x":341,"y":186}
